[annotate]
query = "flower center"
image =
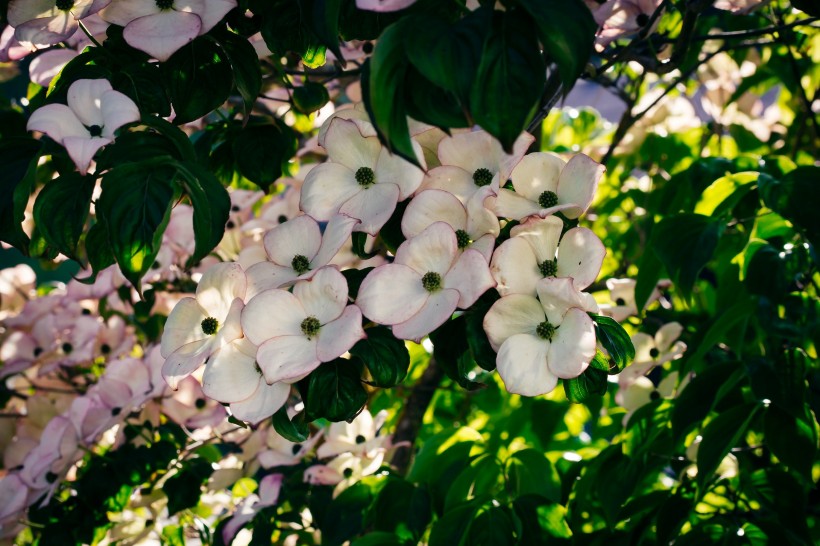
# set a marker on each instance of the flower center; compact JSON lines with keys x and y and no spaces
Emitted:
{"x":365,"y":177}
{"x":300,"y":264}
{"x":95,"y":130}
{"x":431,"y":281}
{"x":545,"y":330}
{"x":209,"y":325}
{"x":462,"y":238}
{"x":482,"y":177}
{"x":642,"y":19}
{"x":64,"y":5}
{"x":548,"y":268}
{"x":165,"y":4}
{"x":548,"y":199}
{"x":67,"y":348}
{"x":360,"y":439}
{"x":620,"y":301}
{"x":347,"y":472}
{"x":654,"y":395}
{"x":311,"y":326}
{"x":654,"y":352}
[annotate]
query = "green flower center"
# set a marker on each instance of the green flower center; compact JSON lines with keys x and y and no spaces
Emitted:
{"x":545,"y":330}
{"x":654,"y":352}
{"x":482,"y":177}
{"x":300,"y":264}
{"x":642,"y":19}
{"x":360,"y":439}
{"x":209,"y":325}
{"x":347,"y":472}
{"x":365,"y":177}
{"x":311,"y":326}
{"x":67,"y":348}
{"x":548,"y":199}
{"x":95,"y":130}
{"x":548,"y":268}
{"x":620,"y":301}
{"x":165,"y":4}
{"x":431,"y":281}
{"x":64,"y":5}
{"x":654,"y":395}
{"x":462,"y":238}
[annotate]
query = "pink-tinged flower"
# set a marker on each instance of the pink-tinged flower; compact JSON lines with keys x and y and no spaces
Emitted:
{"x":161,"y":27}
{"x":545,"y":184}
{"x":384,"y":5}
{"x":621,"y":18}
{"x":533,"y":252}
{"x":88,"y":123}
{"x":56,"y":452}
{"x":344,"y":470}
{"x":10,"y":47}
{"x":13,"y":499}
{"x":662,"y":347}
{"x":738,"y":6}
{"x":233,"y":377}
{"x":425,"y":284}
{"x":472,"y":160}
{"x":622,"y":295}
{"x":296,"y":250}
{"x":359,"y":437}
{"x":269,"y":488}
{"x":540,"y":342}
{"x":476,"y":226}
{"x":295,"y":332}
{"x":282,"y":452}
{"x":48,"y":64}
{"x":47,"y":22}
{"x":189,"y":407}
{"x":363,"y":180}
{"x":198,"y":327}
{"x":17,"y":286}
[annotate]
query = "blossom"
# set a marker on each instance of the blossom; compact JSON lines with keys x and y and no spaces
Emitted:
{"x":363,"y":180}
{"x":269,"y":489}
{"x":46,"y":22}
{"x":384,"y":5}
{"x":622,"y":294}
{"x":533,"y":252}
{"x":297,"y":249}
{"x":295,"y":332}
{"x":541,"y":340}
{"x":200,"y":326}
{"x":425,"y":284}
{"x":344,"y":470}
{"x":620,"y":18}
{"x":359,"y":437}
{"x":283,"y":452}
{"x":88,"y":123}
{"x":161,"y":27}
{"x":545,"y":184}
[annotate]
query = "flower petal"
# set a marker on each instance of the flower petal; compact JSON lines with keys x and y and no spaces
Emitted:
{"x":666,"y":335}
{"x":326,"y":188}
{"x":338,"y":336}
{"x":185,"y":361}
{"x":573,"y":345}
{"x":522,"y":365}
{"x":470,"y":276}
{"x":230,"y":374}
{"x":162,"y":34}
{"x":346,"y":145}
{"x":515,"y":268}
{"x":287,"y":358}
{"x":578,"y":182}
{"x":117,"y":110}
{"x":536,"y":173}
{"x":121,"y":13}
{"x":558,"y":294}
{"x":211,"y":12}
{"x":580,"y":256}
{"x":85,"y":99}
{"x":324,"y":295}
{"x":542,"y":234}
{"x":336,"y":234}
{"x":263,"y":403}
{"x":434,"y":249}
{"x":451,"y":179}
{"x":273,"y":313}
{"x":396,"y":170}
{"x":643,"y":344}
{"x":511,"y":315}
{"x":432,"y":206}
{"x":57,"y":121}
{"x":391,"y":294}
{"x":373,"y":206}
{"x":219,"y":286}
{"x":82,"y":150}
{"x":439,"y":307}
{"x":509,"y":204}
{"x":265,"y":275}
{"x":298,"y":236}
{"x":183,"y":326}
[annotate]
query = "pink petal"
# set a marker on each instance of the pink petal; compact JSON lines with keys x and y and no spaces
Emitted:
{"x":395,"y":170}
{"x":383,"y":5}
{"x":346,"y":145}
{"x":439,"y":307}
{"x":522,"y":365}
{"x":431,"y":206}
{"x":57,"y":121}
{"x":121,"y":13}
{"x":515,"y":268}
{"x":287,"y":358}
{"x":212,"y":12}
{"x":391,"y":294}
{"x":336,"y":234}
{"x":47,"y":30}
{"x":573,"y":345}
{"x":326,"y":188}
{"x":511,"y":315}
{"x":82,"y":150}
{"x":337,"y":337}
{"x":273,"y":313}
{"x":185,"y":361}
{"x":373,"y":206}
{"x":45,"y":66}
{"x":162,"y":34}
{"x":578,"y":183}
{"x":117,"y":110}
{"x":324,"y":295}
{"x":84,"y":98}
{"x":219,"y":286}
{"x":299,"y":236}
{"x":231,"y":375}
{"x":263,"y":403}
{"x":558,"y":294}
{"x":432,"y":250}
{"x":580,"y":256}
{"x":470,"y":276}
{"x":265,"y":276}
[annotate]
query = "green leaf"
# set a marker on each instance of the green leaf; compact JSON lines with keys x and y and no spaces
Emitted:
{"x":451,"y":351}
{"x":493,"y":526}
{"x":685,"y":243}
{"x":378,"y":539}
{"x":402,"y":509}
{"x":451,"y":529}
{"x":98,"y":250}
{"x":567,"y":30}
{"x":510,"y":78}
{"x":794,"y":197}
{"x":184,"y":149}
{"x":335,"y":391}
{"x":529,"y":472}
{"x":19,"y":156}
{"x":199,"y":78}
{"x":649,"y":273}
{"x":261,"y":150}
{"x":344,"y":516}
{"x":61,"y":210}
{"x":792,"y":439}
{"x":296,"y":430}
{"x":722,"y":434}
{"x":211,"y":204}
{"x":184,"y":488}
{"x":430,"y":458}
{"x":587,"y":386}
{"x":697,"y":399}
{"x":385,"y":356}
{"x":354,"y":278}
{"x":479,"y":479}
{"x":310,"y":97}
{"x":247,"y":73}
{"x":326,"y":25}
{"x":725,"y":193}
{"x":136,"y":146}
{"x":615,"y":340}
{"x":541,"y":520}
{"x":135,"y":206}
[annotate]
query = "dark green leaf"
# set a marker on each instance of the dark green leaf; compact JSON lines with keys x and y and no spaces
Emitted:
{"x":385,"y":356}
{"x":402,"y":509}
{"x":792,"y":439}
{"x":344,"y":517}
{"x":451,"y":529}
{"x":261,"y":150}
{"x":722,"y":434}
{"x":199,"y":79}
{"x":794,"y":197}
{"x":479,"y":479}
{"x":452,"y":353}
{"x":529,"y":472}
{"x":354,"y":278}
{"x":335,"y":391}
{"x":326,"y":25}
{"x":247,"y":73}
{"x":699,"y":396}
{"x":541,"y":520}
{"x":19,"y":156}
{"x":310,"y":97}
{"x":587,"y":386}
{"x":493,"y":526}
{"x":184,"y":488}
{"x":98,"y":250}
{"x":295,"y":430}
{"x":61,"y":210}
{"x":615,"y":340}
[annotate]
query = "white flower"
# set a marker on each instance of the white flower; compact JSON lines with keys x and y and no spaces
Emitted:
{"x":295,"y":332}
{"x":88,"y":123}
{"x":45,"y":22}
{"x":344,"y":470}
{"x":359,"y":437}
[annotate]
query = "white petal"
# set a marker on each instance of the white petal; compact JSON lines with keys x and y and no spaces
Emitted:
{"x":454,"y":180}
{"x":393,"y":169}
{"x":438,"y":308}
{"x":211,"y":12}
{"x":272,"y":313}
{"x":432,"y":250}
{"x":324,"y":296}
{"x":265,"y":275}
{"x":336,"y":234}
{"x":263,"y":403}
{"x":515,"y":268}
{"x":391,"y":294}
{"x":471,"y":151}
{"x":57,"y":121}
{"x":432,"y":206}
{"x":542,"y":234}
{"x":557,"y":294}
{"x":117,"y":110}
{"x":287,"y":358}
{"x":82,"y":150}
{"x":230,"y":374}
{"x":346,"y":145}
{"x":373,"y":206}
{"x":298,"y":236}
{"x":643,"y":344}
{"x":580,"y":256}
{"x":326,"y":188}
{"x":513,"y":314}
{"x":184,"y":325}
{"x":666,"y":335}
{"x":123,"y":12}
{"x":536,"y":173}
{"x":470,"y":276}
{"x":338,"y":336}
{"x":162,"y":34}
{"x":85,"y":99}
{"x":185,"y":361}
{"x":219,"y":286}
{"x":522,"y":364}
{"x":383,"y":5}
{"x":511,"y":205}
{"x":578,"y":182}
{"x":573,"y":345}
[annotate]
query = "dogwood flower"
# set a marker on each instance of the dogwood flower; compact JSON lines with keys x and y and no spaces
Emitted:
{"x":269,"y":488}
{"x":363,"y":180}
{"x":161,"y":27}
{"x":384,"y":5}
{"x":295,"y":332}
{"x":530,"y":255}
{"x":88,"y":123}
{"x":425,"y":284}
{"x":46,"y":22}
{"x":545,"y":184}
{"x":359,"y":437}
{"x":662,"y":347}
{"x":297,"y":249}
{"x":344,"y":470}
{"x":200,"y":326}
{"x":541,"y":340}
